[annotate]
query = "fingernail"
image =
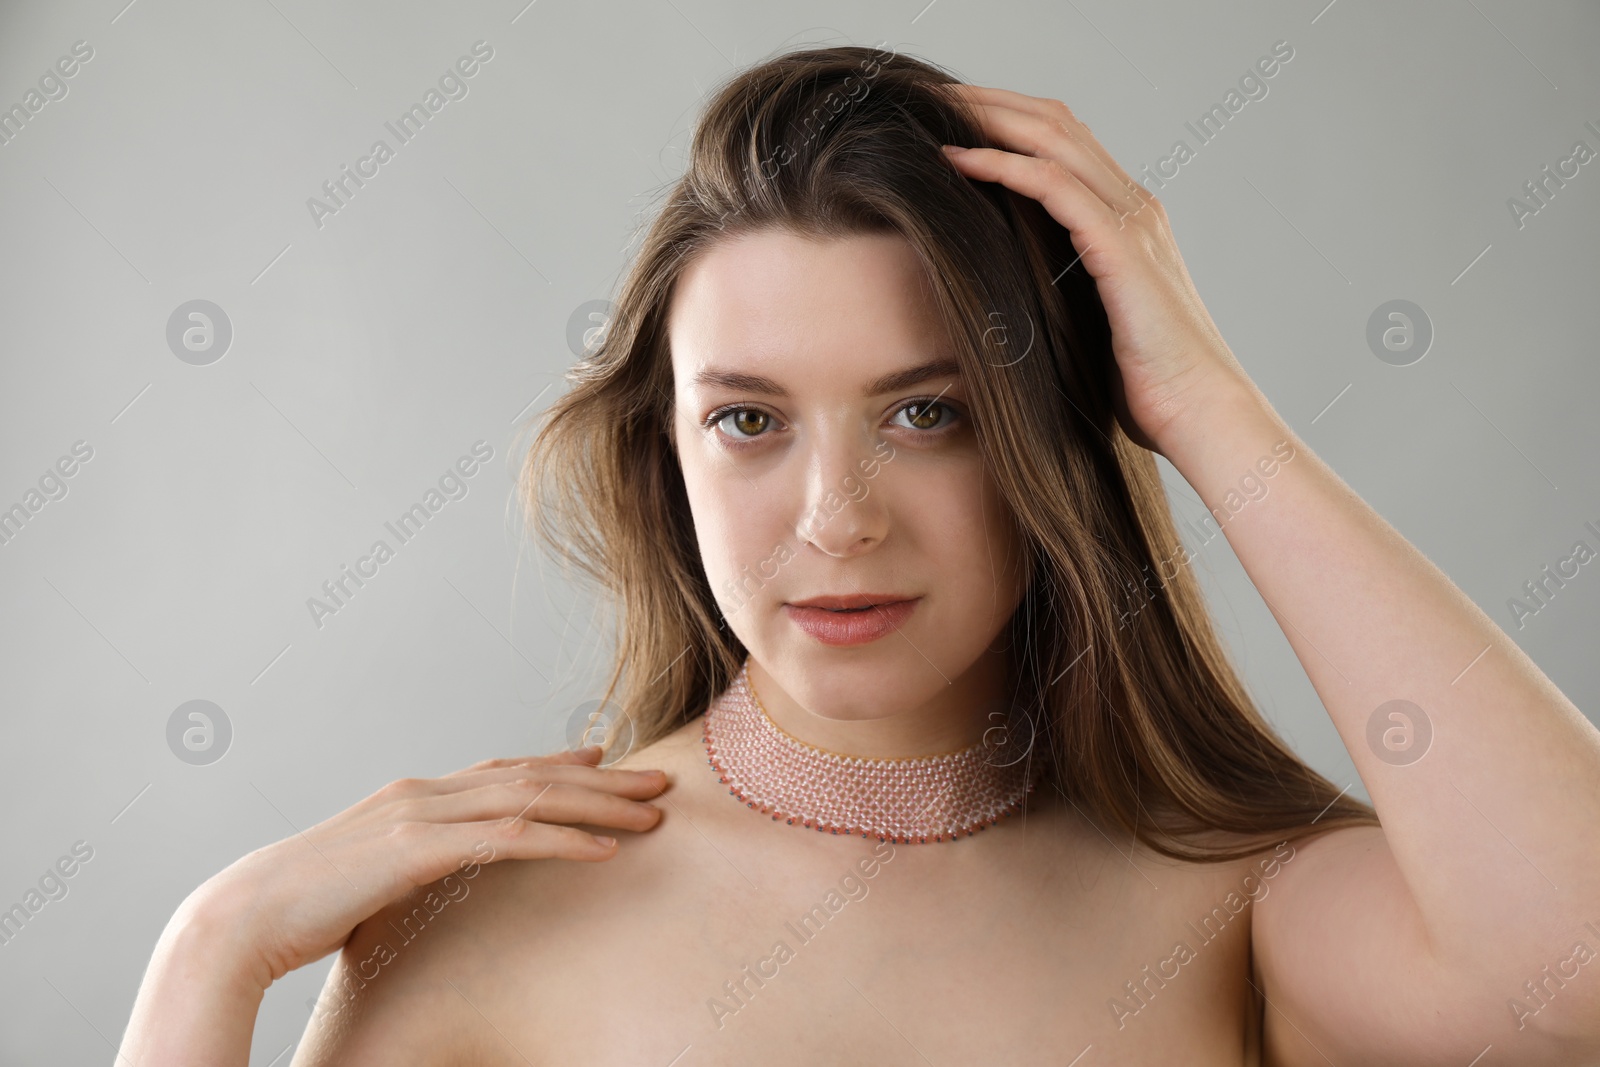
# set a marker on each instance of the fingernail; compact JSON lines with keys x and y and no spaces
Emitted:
{"x":953,"y":149}
{"x":605,"y":841}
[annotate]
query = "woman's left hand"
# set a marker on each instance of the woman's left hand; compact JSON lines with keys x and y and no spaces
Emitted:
{"x":1170,"y":355}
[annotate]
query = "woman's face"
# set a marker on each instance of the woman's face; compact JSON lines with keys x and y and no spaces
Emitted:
{"x":818,"y":463}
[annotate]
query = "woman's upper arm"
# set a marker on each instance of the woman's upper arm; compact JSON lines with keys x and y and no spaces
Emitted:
{"x":1341,"y":959}
{"x":389,"y":999}
{"x":1348,"y":975}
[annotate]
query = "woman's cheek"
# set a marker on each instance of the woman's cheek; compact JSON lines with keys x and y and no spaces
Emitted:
{"x":987,"y":546}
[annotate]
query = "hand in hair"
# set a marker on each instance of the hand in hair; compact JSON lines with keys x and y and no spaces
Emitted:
{"x":1170,"y":355}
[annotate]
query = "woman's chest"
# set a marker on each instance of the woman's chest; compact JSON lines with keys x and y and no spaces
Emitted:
{"x":898,"y":955}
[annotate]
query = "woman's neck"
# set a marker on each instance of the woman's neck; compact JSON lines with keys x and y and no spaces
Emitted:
{"x":868,"y":721}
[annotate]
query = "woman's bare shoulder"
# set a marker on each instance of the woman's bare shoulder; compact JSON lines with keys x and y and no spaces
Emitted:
{"x":422,"y":979}
{"x":678,"y":751}
{"x":393,"y":995}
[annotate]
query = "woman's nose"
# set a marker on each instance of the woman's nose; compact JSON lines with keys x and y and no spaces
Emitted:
{"x":843,"y":512}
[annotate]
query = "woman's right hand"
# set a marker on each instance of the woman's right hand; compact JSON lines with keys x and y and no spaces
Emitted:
{"x":293,"y":902}
{"x":297,"y":900}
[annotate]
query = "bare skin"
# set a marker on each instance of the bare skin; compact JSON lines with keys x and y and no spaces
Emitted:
{"x":1405,"y":945}
{"x":1006,"y":947}
{"x":295,"y":901}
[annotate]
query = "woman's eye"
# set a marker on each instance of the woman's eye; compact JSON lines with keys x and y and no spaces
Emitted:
{"x":742,"y":425}
{"x":743,"y":422}
{"x":926,"y":414}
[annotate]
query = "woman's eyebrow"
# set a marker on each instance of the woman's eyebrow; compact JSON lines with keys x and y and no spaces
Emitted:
{"x":889,"y":383}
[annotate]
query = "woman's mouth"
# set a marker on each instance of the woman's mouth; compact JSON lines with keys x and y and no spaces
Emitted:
{"x":858,"y":625}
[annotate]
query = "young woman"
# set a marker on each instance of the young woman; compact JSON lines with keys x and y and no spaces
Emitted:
{"x":866,"y":454}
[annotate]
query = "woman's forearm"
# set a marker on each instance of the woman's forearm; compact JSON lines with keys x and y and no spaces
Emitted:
{"x":1494,"y":820}
{"x":198,"y":1002}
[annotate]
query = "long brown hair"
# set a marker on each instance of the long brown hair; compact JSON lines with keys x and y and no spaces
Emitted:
{"x":1145,"y":724}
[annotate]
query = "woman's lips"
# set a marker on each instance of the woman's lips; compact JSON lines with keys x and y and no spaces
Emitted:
{"x":852,"y":627}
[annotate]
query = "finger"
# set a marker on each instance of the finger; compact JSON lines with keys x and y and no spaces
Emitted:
{"x":635,"y":784}
{"x":1058,"y":110}
{"x":1044,"y":107}
{"x":1040,"y":135}
{"x":589,"y":755}
{"x":533,"y":800}
{"x":1089,"y":221}
{"x":437,"y":848}
{"x":537,"y":840}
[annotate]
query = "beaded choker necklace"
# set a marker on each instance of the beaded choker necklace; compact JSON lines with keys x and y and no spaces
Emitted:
{"x":905,"y":800}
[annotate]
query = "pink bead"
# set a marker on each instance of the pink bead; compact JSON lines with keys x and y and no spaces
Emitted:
{"x":904,"y":800}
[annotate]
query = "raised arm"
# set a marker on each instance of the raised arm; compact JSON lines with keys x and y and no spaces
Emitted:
{"x":1417,"y":943}
{"x":1448,"y":932}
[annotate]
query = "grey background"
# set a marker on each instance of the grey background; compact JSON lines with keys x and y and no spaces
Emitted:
{"x":433,"y":310}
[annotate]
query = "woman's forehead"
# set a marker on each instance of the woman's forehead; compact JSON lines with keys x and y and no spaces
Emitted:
{"x":782,"y":302}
